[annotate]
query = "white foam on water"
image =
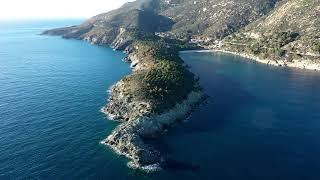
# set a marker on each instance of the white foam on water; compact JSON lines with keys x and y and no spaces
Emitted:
{"x":149,"y":168}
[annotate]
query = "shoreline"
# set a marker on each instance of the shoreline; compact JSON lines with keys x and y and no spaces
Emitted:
{"x":140,"y":117}
{"x":128,"y":138}
{"x":304,"y":65}
{"x":138,"y":121}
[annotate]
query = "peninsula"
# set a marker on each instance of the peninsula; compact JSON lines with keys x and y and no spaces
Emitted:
{"x":159,"y":93}
{"x":161,"y":90}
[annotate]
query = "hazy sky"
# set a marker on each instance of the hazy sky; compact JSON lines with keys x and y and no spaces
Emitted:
{"x":31,"y":9}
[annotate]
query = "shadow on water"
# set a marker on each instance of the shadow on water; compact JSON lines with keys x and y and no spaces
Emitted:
{"x":174,"y":165}
{"x":225,"y":97}
{"x":170,"y":163}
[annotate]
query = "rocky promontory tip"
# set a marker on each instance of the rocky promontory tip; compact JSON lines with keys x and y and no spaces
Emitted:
{"x":138,"y":123}
{"x":146,"y":102}
{"x":159,"y":93}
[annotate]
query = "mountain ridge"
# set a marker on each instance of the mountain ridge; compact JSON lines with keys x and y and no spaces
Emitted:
{"x":176,"y":18}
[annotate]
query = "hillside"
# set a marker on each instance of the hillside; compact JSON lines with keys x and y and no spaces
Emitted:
{"x":176,"y":18}
{"x":289,"y":35}
{"x":215,"y":18}
{"x":104,"y":28}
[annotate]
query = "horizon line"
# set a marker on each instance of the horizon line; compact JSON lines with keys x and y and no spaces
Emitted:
{"x":45,"y":18}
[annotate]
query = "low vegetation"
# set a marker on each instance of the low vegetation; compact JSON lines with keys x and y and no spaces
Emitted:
{"x":272,"y":46}
{"x":164,"y":80}
{"x":316,"y":47}
{"x":289,"y":32}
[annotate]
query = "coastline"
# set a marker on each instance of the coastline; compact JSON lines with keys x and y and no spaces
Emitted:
{"x":137,"y":123}
{"x":128,"y":138}
{"x":158,"y":93}
{"x":143,"y":118}
{"x":305,"y":64}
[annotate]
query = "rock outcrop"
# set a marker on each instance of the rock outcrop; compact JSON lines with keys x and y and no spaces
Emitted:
{"x":138,"y":123}
{"x":143,"y":117}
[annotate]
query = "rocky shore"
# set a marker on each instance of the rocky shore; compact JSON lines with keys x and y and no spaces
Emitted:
{"x":295,"y":63}
{"x":159,"y":93}
{"x":161,"y":90}
{"x":139,"y":121}
{"x":138,"y":124}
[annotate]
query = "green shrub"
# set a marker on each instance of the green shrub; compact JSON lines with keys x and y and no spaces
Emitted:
{"x":284,"y":38}
{"x":316,"y":47}
{"x":290,"y":58}
{"x":255,"y":48}
{"x":279,"y":52}
{"x":165,"y":81}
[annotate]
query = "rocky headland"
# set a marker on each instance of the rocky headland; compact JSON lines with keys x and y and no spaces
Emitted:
{"x":158,"y":94}
{"x":146,"y":104}
{"x":161,"y":90}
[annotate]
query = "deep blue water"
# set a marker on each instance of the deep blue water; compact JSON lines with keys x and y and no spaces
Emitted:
{"x":51,"y":91}
{"x":260,"y":123}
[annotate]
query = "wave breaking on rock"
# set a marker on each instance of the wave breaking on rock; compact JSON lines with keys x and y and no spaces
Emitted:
{"x":128,"y":138}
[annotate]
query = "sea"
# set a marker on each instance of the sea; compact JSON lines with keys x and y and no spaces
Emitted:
{"x":259,"y":122}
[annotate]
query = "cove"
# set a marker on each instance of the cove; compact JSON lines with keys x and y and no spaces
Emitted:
{"x":261,"y":122}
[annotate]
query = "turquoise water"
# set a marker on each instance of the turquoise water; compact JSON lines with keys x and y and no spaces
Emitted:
{"x":260,"y":123}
